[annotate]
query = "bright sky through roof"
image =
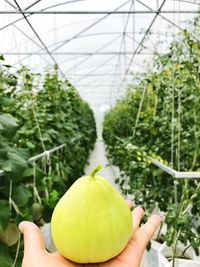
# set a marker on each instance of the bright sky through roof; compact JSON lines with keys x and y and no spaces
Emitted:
{"x":96,"y":52}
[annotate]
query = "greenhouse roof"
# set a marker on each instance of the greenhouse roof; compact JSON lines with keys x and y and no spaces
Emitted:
{"x":97,"y":45}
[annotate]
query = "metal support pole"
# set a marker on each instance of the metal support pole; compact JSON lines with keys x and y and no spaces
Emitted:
{"x":43,"y":154}
{"x":71,"y":53}
{"x":174,"y":173}
{"x":46,"y":153}
{"x":61,"y":12}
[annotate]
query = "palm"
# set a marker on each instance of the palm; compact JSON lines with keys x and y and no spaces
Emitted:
{"x":35,"y":254}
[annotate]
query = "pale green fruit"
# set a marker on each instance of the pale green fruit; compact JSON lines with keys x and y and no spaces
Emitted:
{"x":91,"y":222}
{"x":10,"y":235}
{"x":37,"y":209}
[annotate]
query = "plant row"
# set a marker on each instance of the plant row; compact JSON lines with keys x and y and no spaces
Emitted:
{"x":38,"y":113}
{"x":159,"y":117}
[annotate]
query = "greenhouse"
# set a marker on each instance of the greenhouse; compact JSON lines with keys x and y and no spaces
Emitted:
{"x":100,"y":133}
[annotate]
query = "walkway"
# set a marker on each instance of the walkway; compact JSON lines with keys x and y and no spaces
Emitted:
{"x":98,"y":155}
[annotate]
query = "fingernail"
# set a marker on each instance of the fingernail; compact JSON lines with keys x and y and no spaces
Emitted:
{"x":20,"y":226}
{"x":155,"y":218}
{"x":140,"y":208}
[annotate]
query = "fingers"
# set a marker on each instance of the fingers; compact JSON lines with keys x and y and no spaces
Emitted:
{"x":33,"y":240}
{"x":135,"y":248}
{"x":137,"y":214}
{"x":144,"y":234}
{"x":129,"y":203}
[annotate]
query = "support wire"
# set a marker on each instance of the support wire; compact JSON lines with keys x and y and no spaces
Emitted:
{"x":141,"y":43}
{"x":88,"y":27}
{"x":39,"y":38}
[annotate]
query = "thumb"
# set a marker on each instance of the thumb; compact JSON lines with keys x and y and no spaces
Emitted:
{"x":33,"y":240}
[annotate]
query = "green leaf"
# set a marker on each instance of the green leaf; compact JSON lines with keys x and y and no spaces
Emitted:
{"x":28,"y":172}
{"x":23,"y":153}
{"x":30,"y":145}
{"x":8,"y":121}
{"x":9,"y":124}
{"x":39,"y":173}
{"x":8,"y":102}
{"x":4,"y":214}
{"x":15,"y":157}
{"x":5,"y":259}
{"x":15,"y":165}
{"x":7,"y":166}
{"x":21,"y":195}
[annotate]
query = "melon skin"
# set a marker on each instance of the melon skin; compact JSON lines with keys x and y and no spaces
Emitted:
{"x":92,"y":222}
{"x":10,"y":235}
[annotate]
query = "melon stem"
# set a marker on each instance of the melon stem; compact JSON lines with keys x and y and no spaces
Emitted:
{"x":95,"y":170}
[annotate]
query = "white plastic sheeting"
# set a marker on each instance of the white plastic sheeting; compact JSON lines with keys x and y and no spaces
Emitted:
{"x":96,"y":50}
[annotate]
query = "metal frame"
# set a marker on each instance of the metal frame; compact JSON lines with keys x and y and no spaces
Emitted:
{"x":46,"y":153}
{"x":174,"y":173}
{"x":17,"y":20}
{"x":40,"y":40}
{"x":189,"y":2}
{"x":162,"y":166}
{"x":61,"y":12}
{"x":72,"y":54}
{"x":147,"y":10}
{"x":141,"y":44}
{"x":89,"y":27}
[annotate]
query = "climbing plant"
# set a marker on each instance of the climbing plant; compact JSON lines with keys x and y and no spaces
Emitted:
{"x":161,"y":114}
{"x":37,"y":113}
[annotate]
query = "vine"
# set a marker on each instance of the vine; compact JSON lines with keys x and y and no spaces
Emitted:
{"x":37,"y":113}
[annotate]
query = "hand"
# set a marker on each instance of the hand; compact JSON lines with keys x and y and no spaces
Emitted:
{"x":35,"y":254}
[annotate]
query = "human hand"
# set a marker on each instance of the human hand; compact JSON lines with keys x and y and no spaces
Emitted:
{"x":35,"y":254}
